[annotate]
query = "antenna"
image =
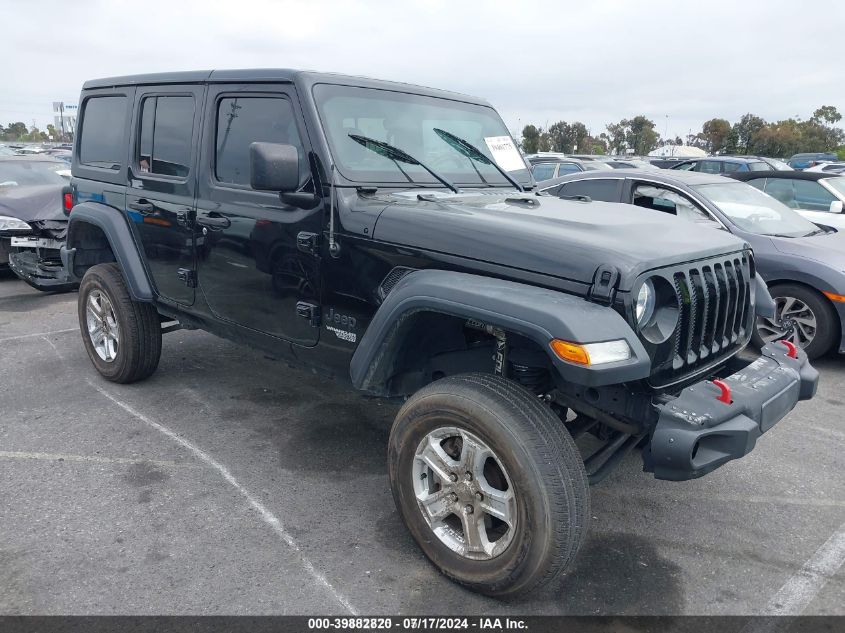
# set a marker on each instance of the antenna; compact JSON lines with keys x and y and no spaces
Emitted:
{"x":334,"y":247}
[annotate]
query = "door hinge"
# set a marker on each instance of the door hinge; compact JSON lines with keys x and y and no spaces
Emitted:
{"x":182,"y":217}
{"x":307,"y":242}
{"x":309,"y":311}
{"x":188,"y":276}
{"x":605,"y":280}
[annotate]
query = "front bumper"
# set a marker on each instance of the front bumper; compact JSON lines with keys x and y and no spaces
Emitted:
{"x":47,"y":275}
{"x":696,"y":433}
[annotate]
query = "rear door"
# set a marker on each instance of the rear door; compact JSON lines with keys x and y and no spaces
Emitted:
{"x":161,"y":195}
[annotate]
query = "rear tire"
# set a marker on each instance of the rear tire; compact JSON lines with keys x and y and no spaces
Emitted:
{"x":530,"y":472}
{"x":122,"y":336}
{"x":798,"y":307}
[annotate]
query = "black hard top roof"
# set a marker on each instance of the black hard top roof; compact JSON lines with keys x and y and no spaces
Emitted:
{"x":790,"y":175}
{"x":276,"y":75}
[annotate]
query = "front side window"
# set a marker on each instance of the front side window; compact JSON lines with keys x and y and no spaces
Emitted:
{"x":837,"y":184}
{"x":759,"y":167}
{"x":685,"y":166}
{"x":245,"y":120}
{"x":165,"y":135}
{"x":729,"y":167}
{"x":754,"y":211}
{"x":780,"y":189}
{"x":103,"y":129}
{"x":809,"y":194}
{"x":668,"y":201}
{"x":408,"y":122}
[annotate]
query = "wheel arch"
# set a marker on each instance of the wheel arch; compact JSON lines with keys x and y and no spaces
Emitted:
{"x":532,"y":313}
{"x":98,"y":234}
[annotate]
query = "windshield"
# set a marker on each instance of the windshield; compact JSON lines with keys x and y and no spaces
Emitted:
{"x":756,"y":212}
{"x":838,"y":185}
{"x":30,"y":172}
{"x":407,"y":122}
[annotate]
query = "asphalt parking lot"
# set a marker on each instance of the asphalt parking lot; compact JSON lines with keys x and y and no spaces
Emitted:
{"x":229,"y":483}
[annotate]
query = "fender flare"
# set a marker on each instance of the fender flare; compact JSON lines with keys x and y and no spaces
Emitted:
{"x":536,"y":313}
{"x":116,"y":229}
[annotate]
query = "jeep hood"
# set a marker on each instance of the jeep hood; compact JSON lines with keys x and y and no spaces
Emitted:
{"x":544,"y":234}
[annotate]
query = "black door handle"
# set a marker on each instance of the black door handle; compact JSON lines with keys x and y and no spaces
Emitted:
{"x":214,"y":222}
{"x":142,"y":206}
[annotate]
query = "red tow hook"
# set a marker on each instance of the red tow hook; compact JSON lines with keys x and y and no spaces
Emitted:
{"x":792,"y":350}
{"x":725,"y":395}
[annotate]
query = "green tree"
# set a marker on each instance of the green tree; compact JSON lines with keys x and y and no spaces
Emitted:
{"x":616,"y":136}
{"x":828,"y":114}
{"x":714,"y":134}
{"x":744,"y":131}
{"x":530,"y":139}
{"x":16,"y":131}
{"x":559,"y":135}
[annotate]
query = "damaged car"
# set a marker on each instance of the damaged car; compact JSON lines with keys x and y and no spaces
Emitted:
{"x":33,"y":220}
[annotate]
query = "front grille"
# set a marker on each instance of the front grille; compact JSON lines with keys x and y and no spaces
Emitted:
{"x":715,"y":316}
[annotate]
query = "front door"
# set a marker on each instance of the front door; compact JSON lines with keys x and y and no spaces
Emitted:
{"x":254,"y":267}
{"x":160,"y":198}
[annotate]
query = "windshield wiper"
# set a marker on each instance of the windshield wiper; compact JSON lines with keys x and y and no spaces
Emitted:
{"x":398,"y":156}
{"x":816,"y":232}
{"x":473,"y":153}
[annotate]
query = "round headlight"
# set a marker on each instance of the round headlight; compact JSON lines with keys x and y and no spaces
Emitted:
{"x":645,"y":302}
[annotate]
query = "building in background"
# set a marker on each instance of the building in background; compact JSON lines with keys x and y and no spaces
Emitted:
{"x":64,"y":117}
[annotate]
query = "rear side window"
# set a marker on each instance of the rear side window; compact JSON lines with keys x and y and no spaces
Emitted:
{"x":103,"y":130}
{"x":759,"y":167}
{"x":543,"y":171}
{"x":245,"y":120}
{"x":729,"y":167}
{"x":709,"y":167}
{"x":165,"y":139}
{"x":598,"y":189}
{"x":567,"y":168}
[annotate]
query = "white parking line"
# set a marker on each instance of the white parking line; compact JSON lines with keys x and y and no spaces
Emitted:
{"x":802,"y":588}
{"x":268,"y":517}
{"x":23,"y":336}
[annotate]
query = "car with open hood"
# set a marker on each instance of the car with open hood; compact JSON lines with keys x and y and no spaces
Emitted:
{"x":390,"y":236}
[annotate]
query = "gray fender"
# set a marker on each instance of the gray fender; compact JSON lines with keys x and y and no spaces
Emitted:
{"x":116,"y":229}
{"x":536,"y":313}
{"x":764,"y":305}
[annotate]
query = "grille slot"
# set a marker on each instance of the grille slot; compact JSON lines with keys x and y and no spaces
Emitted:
{"x":714,"y":299}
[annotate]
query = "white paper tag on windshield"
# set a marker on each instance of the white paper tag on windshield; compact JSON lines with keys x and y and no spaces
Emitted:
{"x":504,"y":152}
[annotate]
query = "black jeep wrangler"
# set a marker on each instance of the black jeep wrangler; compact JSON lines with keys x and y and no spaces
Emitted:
{"x":388,"y":235}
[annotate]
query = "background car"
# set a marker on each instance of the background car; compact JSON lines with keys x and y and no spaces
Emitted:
{"x":722,"y":165}
{"x":33,"y":224}
{"x":818,"y":196}
{"x":802,"y":161}
{"x":774,"y":163}
{"x":834,"y":168}
{"x":551,"y":167}
{"x":803,"y":264}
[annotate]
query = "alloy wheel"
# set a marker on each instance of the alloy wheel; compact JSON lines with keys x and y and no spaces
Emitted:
{"x":793,"y":321}
{"x":464,"y":493}
{"x":103,"y":329}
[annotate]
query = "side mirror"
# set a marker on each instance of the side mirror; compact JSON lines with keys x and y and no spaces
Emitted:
{"x":836,"y":206}
{"x":273,"y":167}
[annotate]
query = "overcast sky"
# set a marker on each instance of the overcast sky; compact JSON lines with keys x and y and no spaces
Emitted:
{"x":537,"y":62}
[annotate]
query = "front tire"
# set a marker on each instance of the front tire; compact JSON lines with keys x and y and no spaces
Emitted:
{"x":122,"y":336}
{"x":489,"y":483}
{"x":802,"y":316}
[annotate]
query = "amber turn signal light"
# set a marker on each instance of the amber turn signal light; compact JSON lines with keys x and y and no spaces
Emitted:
{"x":835,"y":297}
{"x":571,"y":352}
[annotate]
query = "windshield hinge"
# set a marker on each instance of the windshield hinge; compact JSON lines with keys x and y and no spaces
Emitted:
{"x":188,"y":276}
{"x":605,"y":280}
